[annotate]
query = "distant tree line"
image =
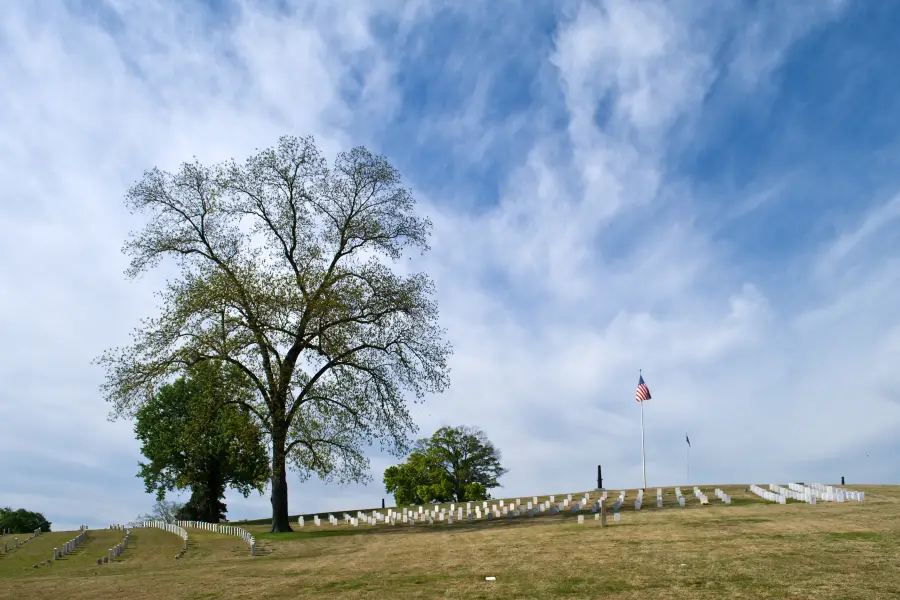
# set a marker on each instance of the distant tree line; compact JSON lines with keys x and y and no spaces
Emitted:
{"x":22,"y":521}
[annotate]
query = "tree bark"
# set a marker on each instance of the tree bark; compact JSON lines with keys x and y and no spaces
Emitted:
{"x":213,"y":489}
{"x":280,"y":521}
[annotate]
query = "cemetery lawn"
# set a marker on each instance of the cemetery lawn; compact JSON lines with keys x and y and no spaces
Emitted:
{"x":751,"y":549}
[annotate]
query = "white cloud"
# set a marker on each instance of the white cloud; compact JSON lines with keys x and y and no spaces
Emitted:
{"x":554,"y":293}
{"x":763,"y":38}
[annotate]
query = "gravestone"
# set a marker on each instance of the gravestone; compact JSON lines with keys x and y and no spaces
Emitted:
{"x":617,"y":517}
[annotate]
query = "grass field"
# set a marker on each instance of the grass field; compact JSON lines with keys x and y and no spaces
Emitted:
{"x":751,"y":549}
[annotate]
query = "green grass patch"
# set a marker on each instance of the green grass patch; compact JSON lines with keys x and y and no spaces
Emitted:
{"x":756,"y":551}
{"x":868,"y":536}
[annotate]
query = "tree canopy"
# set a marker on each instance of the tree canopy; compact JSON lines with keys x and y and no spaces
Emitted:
{"x":456,"y":464}
{"x":22,"y":521}
{"x":196,"y":437}
{"x":286,"y":273}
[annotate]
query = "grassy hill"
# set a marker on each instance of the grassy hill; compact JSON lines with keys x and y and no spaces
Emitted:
{"x":751,"y":549}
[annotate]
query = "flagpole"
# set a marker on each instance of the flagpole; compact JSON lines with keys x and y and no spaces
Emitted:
{"x":643,"y":456}
{"x":688,"y":461}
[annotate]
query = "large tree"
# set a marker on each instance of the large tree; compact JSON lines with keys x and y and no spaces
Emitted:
{"x":456,"y":464}
{"x":286,"y":274}
{"x":195,"y":436}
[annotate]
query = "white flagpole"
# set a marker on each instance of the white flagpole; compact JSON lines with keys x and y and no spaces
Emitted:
{"x":643,"y":456}
{"x":688,"y":459}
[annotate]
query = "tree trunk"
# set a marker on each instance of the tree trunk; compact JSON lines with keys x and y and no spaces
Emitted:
{"x":213,"y":490}
{"x":280,"y":521}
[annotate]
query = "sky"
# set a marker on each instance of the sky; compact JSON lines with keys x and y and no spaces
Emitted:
{"x":707,"y":191}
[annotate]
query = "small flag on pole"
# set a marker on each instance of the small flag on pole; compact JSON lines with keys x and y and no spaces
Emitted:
{"x":687,"y":439}
{"x":643,"y":392}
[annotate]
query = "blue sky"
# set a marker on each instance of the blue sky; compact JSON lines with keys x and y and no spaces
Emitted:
{"x":707,"y":191}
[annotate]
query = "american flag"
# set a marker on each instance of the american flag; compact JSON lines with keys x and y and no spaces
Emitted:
{"x":643,"y":392}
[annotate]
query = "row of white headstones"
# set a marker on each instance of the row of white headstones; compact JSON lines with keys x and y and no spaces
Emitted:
{"x":71,"y":545}
{"x":58,"y":553}
{"x":225,"y":529}
{"x":806,"y":493}
{"x":116,"y":551}
{"x":16,"y":542}
{"x":170,"y":527}
{"x":502,"y":508}
{"x":485,"y":511}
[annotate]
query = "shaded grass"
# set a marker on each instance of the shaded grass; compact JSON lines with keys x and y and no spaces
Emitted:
{"x":751,"y":550}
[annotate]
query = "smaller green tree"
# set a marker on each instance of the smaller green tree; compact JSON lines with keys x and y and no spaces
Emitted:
{"x":22,"y":521}
{"x":456,"y":464}
{"x":196,"y":436}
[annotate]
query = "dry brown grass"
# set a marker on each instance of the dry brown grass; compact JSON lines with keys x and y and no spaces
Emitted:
{"x":749,"y":550}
